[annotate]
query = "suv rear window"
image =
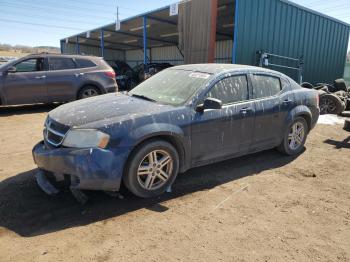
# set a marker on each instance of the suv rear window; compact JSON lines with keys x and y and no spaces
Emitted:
{"x":265,"y":86}
{"x":84,"y":63}
{"x":59,"y":63}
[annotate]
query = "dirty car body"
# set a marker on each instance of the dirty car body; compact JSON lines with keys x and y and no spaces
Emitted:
{"x":204,"y":126}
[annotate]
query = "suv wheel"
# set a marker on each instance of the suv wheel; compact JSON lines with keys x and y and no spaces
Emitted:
{"x":152,"y":168}
{"x":295,"y":137}
{"x":88,"y":91}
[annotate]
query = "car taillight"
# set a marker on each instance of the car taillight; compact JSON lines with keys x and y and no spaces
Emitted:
{"x":110,"y":74}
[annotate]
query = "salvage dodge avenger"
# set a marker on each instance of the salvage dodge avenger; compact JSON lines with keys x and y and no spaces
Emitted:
{"x":183,"y":117}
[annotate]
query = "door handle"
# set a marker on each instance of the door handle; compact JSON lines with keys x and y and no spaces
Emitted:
{"x":80,"y":74}
{"x":287,"y":101}
{"x":245,"y":110}
{"x":40,"y":77}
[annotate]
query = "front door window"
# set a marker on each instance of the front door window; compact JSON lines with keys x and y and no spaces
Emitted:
{"x":30,"y":65}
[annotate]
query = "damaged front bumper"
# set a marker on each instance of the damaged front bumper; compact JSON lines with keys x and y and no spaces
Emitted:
{"x":88,"y":169}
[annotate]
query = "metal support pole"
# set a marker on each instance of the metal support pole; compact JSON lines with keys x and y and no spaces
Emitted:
{"x":301,"y":64}
{"x":214,"y":12}
{"x":61,"y":45}
{"x":235,"y":34}
{"x":102,"y":44}
{"x":145,"y":40}
{"x":77,"y":46}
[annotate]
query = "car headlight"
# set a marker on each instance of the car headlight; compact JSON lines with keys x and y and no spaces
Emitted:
{"x":84,"y":138}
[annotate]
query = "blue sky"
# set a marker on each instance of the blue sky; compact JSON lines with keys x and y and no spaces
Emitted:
{"x":44,"y":22}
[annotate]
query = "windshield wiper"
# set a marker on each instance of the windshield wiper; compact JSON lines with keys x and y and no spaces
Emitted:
{"x":144,"y":97}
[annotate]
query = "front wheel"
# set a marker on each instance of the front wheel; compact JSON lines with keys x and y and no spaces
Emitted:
{"x":152,"y":168}
{"x":295,"y":137}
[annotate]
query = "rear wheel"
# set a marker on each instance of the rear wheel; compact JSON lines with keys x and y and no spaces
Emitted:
{"x":294,"y":137}
{"x":340,"y":85}
{"x":88,"y":91}
{"x":152,"y":168}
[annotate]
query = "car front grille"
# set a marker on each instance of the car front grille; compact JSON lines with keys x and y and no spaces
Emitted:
{"x":54,"y":132}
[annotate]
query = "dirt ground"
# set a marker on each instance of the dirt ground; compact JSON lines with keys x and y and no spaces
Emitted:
{"x":263,"y":207}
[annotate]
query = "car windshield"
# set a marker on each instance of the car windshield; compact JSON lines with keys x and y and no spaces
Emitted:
{"x":171,"y":86}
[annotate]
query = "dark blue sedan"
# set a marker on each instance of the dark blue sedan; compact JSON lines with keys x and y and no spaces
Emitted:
{"x":183,"y":117}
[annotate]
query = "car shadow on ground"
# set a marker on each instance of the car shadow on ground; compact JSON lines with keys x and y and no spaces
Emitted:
{"x":27,"y":211}
{"x":26,"y":109}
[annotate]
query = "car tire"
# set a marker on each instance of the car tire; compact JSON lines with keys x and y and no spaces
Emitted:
{"x":307,"y":85}
{"x":322,"y":92}
{"x":340,"y":85}
{"x":347,"y":125}
{"x":320,"y":87}
{"x":331,"y":104}
{"x":293,"y":142}
{"x":88,"y":91}
{"x":146,"y":175}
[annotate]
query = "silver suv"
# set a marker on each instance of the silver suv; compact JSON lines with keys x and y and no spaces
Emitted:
{"x":46,"y":78}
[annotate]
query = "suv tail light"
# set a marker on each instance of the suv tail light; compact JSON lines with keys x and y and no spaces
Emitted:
{"x":110,"y":74}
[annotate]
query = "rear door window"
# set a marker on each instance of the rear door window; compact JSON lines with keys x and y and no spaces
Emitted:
{"x":230,"y":90}
{"x":84,"y":63}
{"x":265,"y":86}
{"x":60,"y":63}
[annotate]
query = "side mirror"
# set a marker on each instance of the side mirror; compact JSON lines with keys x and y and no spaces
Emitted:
{"x":209,"y":103}
{"x":11,"y":69}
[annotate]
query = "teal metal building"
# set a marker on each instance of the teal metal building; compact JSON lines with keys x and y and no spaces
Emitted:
{"x":278,"y":34}
{"x":286,"y":29}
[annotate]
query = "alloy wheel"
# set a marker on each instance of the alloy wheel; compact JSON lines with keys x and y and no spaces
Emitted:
{"x":89,"y":93}
{"x":155,"y":170}
{"x":296,"y":136}
{"x":328,"y":106}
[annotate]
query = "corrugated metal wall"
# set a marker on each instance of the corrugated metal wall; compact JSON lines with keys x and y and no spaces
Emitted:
{"x":281,"y":28}
{"x":223,"y":52}
{"x":347,"y":73}
{"x":171,"y":54}
{"x":168,"y":54}
{"x":110,"y":54}
{"x":134,"y":57}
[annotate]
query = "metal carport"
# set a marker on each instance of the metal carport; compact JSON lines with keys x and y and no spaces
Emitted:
{"x":149,"y":37}
{"x":244,"y":28}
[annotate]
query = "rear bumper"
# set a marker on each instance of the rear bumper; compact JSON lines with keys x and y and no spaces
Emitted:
{"x":112,"y":88}
{"x":90,"y":169}
{"x":315,"y":115}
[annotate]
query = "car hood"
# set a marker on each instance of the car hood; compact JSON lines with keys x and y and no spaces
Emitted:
{"x":104,"y":110}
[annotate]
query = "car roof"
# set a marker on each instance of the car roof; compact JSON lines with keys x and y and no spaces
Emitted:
{"x":220,"y":68}
{"x":62,"y":55}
